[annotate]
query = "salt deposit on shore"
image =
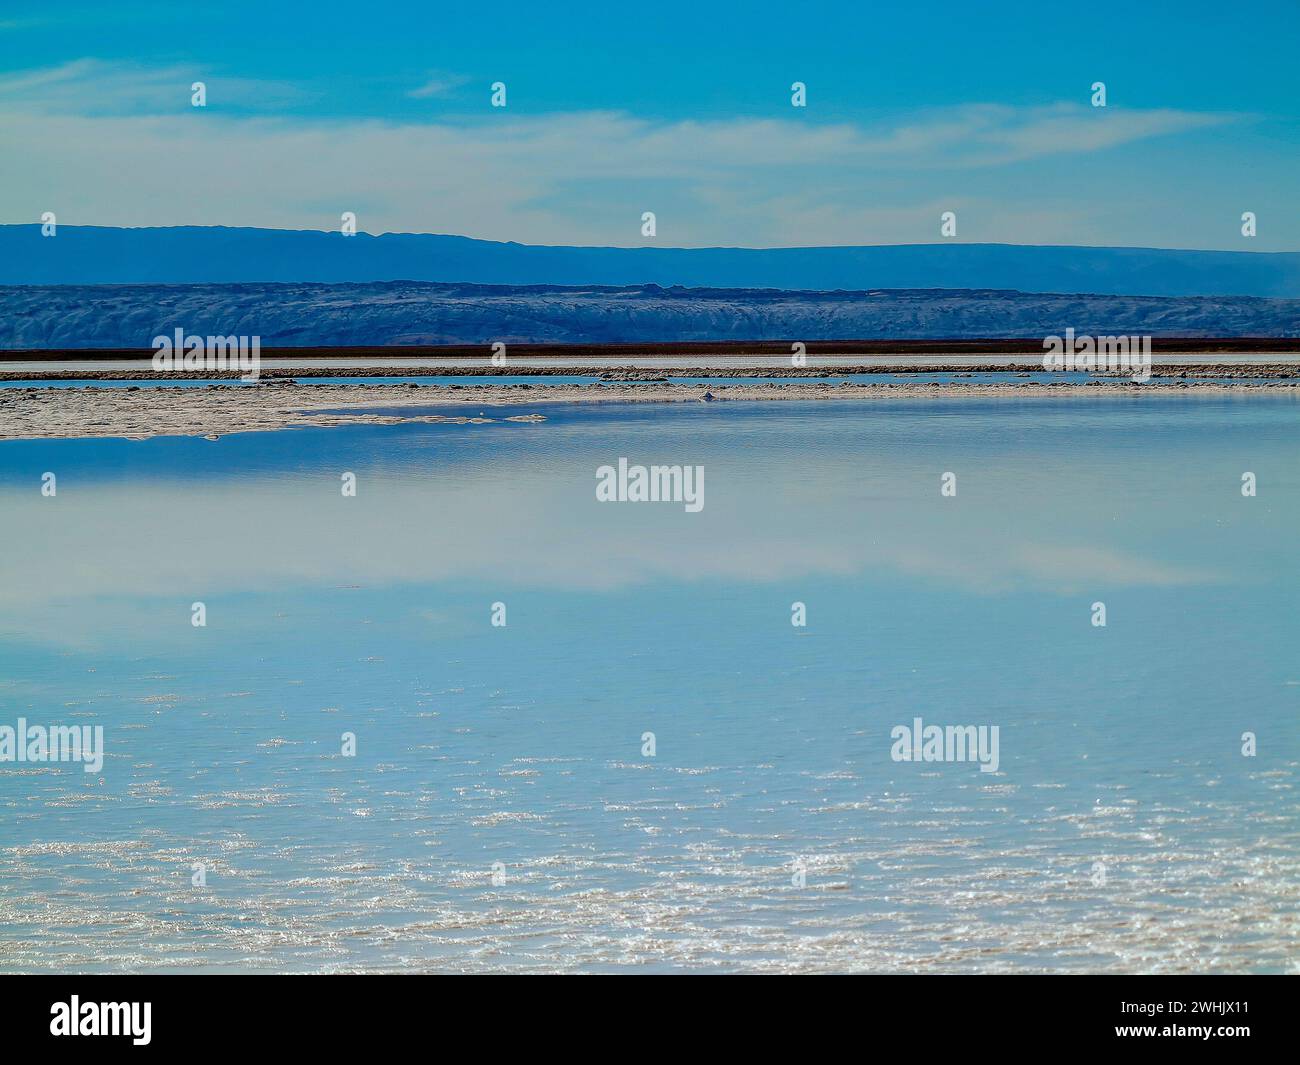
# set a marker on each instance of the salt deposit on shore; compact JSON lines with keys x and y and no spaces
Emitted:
{"x":34,"y":413}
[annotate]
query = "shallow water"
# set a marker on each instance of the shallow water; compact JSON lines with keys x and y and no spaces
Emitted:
{"x":522,"y":745}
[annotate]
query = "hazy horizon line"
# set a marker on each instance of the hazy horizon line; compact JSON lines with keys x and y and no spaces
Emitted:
{"x":954,"y":242}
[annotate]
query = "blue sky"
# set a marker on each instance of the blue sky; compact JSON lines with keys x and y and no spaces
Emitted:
{"x":679,"y":109}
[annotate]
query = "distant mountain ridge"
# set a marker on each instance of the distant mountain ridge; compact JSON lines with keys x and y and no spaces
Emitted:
{"x":87,"y":255}
{"x":304,"y":315}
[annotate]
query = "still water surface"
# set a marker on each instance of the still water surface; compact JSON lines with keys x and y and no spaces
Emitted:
{"x":1123,"y":830}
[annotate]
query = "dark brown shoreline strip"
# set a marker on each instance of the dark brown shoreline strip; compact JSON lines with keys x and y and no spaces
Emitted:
{"x":632,"y":374}
{"x":728,"y":348}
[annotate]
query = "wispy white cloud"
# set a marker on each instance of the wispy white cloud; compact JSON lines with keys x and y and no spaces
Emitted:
{"x":95,"y":88}
{"x":439,"y":85}
{"x":10,"y":25}
{"x":120,"y":145}
{"x":994,"y":135}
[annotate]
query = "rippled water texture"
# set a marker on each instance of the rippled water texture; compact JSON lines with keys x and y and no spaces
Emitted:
{"x":1124,"y":829}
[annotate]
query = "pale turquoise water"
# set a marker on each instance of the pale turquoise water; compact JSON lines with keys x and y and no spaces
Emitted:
{"x":523,"y":745}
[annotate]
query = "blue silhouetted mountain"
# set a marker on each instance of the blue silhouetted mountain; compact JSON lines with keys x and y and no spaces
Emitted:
{"x":192,"y":254}
{"x":313,"y":314}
